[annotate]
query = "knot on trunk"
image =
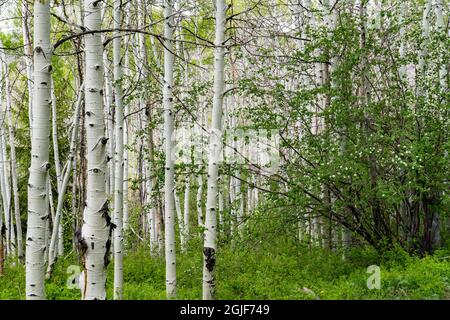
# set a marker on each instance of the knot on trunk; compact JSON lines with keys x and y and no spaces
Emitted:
{"x":210,"y":258}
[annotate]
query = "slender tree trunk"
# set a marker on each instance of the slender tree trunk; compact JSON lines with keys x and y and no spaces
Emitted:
{"x":179,"y":217}
{"x":169,"y":181}
{"x":199,"y":202}
{"x":215,"y":143}
{"x":37,"y":185}
{"x":97,"y":226}
{"x":3,"y":188}
{"x":118,"y":192}
{"x":12,"y":146}
{"x":28,"y":50}
{"x":59,"y":175}
{"x":186,"y":210}
{"x":64,"y":183}
{"x":109,"y":97}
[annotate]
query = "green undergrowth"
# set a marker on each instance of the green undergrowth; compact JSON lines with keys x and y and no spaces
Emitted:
{"x":277,"y":269}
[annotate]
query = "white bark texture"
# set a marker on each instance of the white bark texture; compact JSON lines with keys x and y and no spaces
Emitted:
{"x":65,"y":182}
{"x":96,"y":230}
{"x":209,"y":250}
{"x":186,"y":211}
{"x":13,"y":163}
{"x":37,"y":184}
{"x":59,"y":175}
{"x":118,"y":188}
{"x":28,"y":59}
{"x":169,"y":181}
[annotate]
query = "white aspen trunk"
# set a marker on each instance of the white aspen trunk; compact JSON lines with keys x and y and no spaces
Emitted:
{"x":55,"y":136}
{"x":110,"y":180}
{"x":179,"y":218}
{"x":2,"y":248}
{"x":220,"y":208}
{"x":59,"y":176}
{"x":125,"y":134}
{"x":4,"y":192}
{"x":186,"y":211}
{"x":28,"y":51}
{"x":232,"y":199}
{"x":48,"y":231}
{"x":440,"y":28}
{"x":118,"y":189}
{"x":125,"y":169}
{"x":37,"y":185}
{"x":199,"y":201}
{"x":11,"y":236}
{"x":97,"y":227}
{"x":169,"y":187}
{"x":402,"y":69}
{"x":215,"y":144}
{"x":150,"y":212}
{"x":425,"y":34}
{"x":60,"y":202}
{"x":13,"y":164}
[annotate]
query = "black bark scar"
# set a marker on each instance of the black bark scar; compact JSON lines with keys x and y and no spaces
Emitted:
{"x":210,"y":258}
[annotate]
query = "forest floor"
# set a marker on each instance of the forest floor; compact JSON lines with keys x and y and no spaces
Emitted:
{"x":278,"y":269}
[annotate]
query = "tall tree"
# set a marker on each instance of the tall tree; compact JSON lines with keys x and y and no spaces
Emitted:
{"x":118,"y":157}
{"x":215,"y":141}
{"x":96,"y":231}
{"x":37,"y":183}
{"x":169,"y":177}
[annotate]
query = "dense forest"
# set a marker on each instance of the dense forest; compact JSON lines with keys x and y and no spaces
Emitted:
{"x":224,"y":149}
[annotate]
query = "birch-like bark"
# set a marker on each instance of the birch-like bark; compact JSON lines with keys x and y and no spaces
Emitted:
{"x":97,"y":226}
{"x":28,"y":51}
{"x":2,"y":248}
{"x":12,"y":152}
{"x":180,"y":217}
{"x":110,"y":180}
{"x":125,"y":131}
{"x":64,"y":183}
{"x":215,"y":142}
{"x":440,"y":28}
{"x":187,"y":187}
{"x":4,"y":185}
{"x":199,"y":202}
{"x":37,"y":185}
{"x":118,"y":189}
{"x":59,"y":176}
{"x":169,"y":179}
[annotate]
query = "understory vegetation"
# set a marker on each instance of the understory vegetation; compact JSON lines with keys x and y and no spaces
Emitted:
{"x":278,"y":268}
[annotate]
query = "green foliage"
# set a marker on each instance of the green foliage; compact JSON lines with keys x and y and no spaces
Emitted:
{"x":277,"y":269}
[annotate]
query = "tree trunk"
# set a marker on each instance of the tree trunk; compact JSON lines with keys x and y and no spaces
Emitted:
{"x":97,"y":226}
{"x":215,"y":143}
{"x":64,"y":183}
{"x":118,"y":192}
{"x":37,"y":185}
{"x":13,"y":165}
{"x":169,"y":181}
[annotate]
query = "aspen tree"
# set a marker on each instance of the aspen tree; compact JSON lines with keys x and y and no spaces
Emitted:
{"x":28,"y":51}
{"x":97,"y":226}
{"x":12,"y":146}
{"x":37,"y":183}
{"x":118,"y":158}
{"x":59,"y":176}
{"x":169,"y":179}
{"x":210,"y":240}
{"x":65,"y":182}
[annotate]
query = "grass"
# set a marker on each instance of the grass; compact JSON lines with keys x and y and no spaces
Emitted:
{"x":278,"y":269}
